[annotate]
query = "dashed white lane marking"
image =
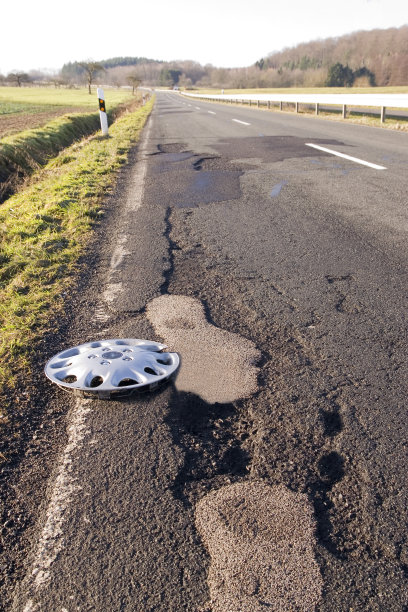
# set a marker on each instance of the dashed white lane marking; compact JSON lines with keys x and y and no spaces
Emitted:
{"x":197,"y":108}
{"x":242,"y":122}
{"x":354,"y":159}
{"x":211,"y":112}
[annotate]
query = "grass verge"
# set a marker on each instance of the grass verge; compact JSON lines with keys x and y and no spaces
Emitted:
{"x":22,"y":154}
{"x":25,"y":152}
{"x":43,"y":231}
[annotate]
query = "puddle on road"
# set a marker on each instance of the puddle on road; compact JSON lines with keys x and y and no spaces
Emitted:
{"x":260,"y":540}
{"x":277,"y":189}
{"x":216,"y":364}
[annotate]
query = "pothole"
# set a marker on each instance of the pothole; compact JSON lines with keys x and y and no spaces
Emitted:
{"x":216,"y":364}
{"x":188,"y":180}
{"x":172,"y":147}
{"x":260,"y":540}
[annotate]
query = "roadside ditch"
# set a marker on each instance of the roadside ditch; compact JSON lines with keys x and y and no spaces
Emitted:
{"x":22,"y":154}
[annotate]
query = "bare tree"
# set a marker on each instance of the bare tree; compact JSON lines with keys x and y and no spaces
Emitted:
{"x":134,"y":80}
{"x":91,"y":70}
{"x":378,"y":56}
{"x":58,"y":82}
{"x":18,"y":77}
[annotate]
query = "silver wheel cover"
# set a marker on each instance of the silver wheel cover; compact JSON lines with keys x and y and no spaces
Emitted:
{"x":109,"y":367}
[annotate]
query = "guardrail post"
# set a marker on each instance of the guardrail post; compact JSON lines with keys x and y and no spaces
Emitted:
{"x":269,"y":105}
{"x":280,"y":105}
{"x":344,"y":114}
{"x":257,"y":103}
{"x":383,"y":109}
{"x":297,"y":106}
{"x":317,"y":108}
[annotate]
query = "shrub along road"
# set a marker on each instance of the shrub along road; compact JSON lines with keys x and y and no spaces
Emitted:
{"x":278,"y":271}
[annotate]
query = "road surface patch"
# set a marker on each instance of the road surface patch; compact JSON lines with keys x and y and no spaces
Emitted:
{"x":269,"y":149}
{"x":260,"y":540}
{"x":195,"y":180}
{"x":216,"y":364}
{"x":349,"y":157}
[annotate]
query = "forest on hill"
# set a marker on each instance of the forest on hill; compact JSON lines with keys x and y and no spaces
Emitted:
{"x":380,"y":53}
{"x":360,"y":59}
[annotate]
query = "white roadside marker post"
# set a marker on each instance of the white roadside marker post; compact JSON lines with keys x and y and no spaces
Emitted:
{"x":102,"y":112}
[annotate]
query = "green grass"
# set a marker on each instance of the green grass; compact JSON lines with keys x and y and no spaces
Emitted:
{"x":61,"y":97}
{"x":22,"y":108}
{"x":43,"y":231}
{"x":23,"y":153}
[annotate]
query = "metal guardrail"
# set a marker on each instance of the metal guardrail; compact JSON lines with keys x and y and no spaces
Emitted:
{"x":382,"y":101}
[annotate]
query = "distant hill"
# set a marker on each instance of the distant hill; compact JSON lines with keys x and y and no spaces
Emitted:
{"x":71,"y":70}
{"x":382,"y":53}
{"x":366,"y":58}
{"x":127,"y":61}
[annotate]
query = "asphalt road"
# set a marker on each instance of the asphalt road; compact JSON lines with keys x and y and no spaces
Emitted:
{"x":300,"y":255}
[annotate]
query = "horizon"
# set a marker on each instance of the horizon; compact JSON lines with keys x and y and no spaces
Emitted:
{"x":225,"y":35}
{"x":55,"y":70}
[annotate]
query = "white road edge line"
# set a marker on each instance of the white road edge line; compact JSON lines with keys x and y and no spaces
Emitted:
{"x":243,"y":122}
{"x":211,"y":112}
{"x":65,"y":485}
{"x":354,"y":159}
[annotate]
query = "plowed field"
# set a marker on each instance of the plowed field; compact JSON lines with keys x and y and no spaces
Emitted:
{"x":11,"y":123}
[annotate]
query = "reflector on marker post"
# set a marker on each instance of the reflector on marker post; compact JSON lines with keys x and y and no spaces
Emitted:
{"x":102,"y":112}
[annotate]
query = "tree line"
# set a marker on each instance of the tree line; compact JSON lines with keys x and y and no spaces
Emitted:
{"x":366,"y":58}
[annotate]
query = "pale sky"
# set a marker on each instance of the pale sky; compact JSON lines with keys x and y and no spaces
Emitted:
{"x":46,"y":33}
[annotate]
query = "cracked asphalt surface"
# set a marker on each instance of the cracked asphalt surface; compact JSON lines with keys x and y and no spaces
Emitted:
{"x":298,"y":252}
